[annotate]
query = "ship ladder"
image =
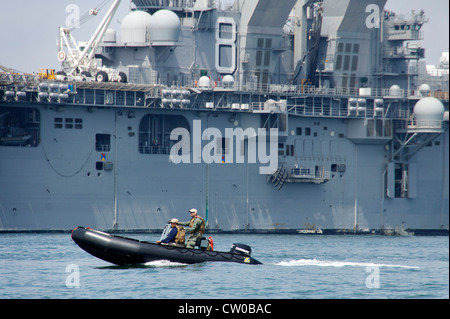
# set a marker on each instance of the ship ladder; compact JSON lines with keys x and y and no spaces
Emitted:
{"x":279,"y":177}
{"x":282,"y":180}
{"x":275,"y":176}
{"x":272,"y":177}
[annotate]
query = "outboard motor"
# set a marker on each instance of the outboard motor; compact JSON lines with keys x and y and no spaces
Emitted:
{"x":241,"y":249}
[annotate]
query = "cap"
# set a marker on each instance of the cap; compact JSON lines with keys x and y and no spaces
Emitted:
{"x":193,"y":210}
{"x":173,"y":220}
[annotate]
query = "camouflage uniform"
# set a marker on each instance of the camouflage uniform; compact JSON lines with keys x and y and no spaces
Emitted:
{"x":196,"y":227}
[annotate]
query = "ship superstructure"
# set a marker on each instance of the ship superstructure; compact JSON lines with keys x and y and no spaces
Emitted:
{"x":362,"y":143}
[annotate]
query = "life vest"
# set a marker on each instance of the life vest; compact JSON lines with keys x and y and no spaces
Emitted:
{"x":211,"y":243}
{"x":180,"y":236}
{"x":202,"y":226}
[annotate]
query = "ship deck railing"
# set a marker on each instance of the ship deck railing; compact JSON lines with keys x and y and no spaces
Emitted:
{"x":8,"y":78}
{"x":308,"y":173}
{"x":422,"y":126}
{"x":164,"y":150}
{"x":158,"y":4}
{"x":305,"y":90}
{"x":295,"y":100}
{"x":32,"y":81}
{"x":316,"y":175}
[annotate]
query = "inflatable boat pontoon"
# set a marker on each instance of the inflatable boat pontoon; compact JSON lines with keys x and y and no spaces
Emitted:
{"x":127,"y":251}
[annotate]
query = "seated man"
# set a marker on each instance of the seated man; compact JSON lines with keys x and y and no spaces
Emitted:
{"x":175,"y":236}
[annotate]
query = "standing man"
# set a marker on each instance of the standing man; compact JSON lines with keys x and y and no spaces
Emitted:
{"x":196,"y":227}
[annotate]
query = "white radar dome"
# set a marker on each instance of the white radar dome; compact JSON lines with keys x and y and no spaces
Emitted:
{"x":228,"y":81}
{"x":135,"y":27}
{"x":204,"y":82}
{"x":110,"y":36}
{"x":395,"y":90}
{"x":429,"y":109}
{"x":165,"y":26}
{"x":424,"y":89}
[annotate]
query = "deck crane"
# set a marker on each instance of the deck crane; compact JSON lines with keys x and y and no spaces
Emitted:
{"x":9,"y":70}
{"x":81,"y":63}
{"x":6,"y":69}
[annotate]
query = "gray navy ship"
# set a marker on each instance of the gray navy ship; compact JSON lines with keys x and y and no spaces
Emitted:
{"x":267,"y":116}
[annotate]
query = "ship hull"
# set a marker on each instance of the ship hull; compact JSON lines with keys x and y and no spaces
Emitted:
{"x":58,"y":184}
{"x":335,"y":89}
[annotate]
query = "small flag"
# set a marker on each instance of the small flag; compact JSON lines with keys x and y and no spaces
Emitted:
{"x":103,"y":157}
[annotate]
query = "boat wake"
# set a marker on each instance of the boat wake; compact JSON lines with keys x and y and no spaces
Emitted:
{"x":163,"y":263}
{"x":335,"y":263}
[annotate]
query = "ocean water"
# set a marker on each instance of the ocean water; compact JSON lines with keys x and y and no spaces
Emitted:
{"x":52,"y":266}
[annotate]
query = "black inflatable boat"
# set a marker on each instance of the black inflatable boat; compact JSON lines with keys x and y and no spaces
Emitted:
{"x":126,"y":251}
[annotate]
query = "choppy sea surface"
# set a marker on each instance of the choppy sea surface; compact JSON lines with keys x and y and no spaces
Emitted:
{"x":40,"y":266}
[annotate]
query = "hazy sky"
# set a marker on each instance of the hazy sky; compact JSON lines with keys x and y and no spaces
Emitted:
{"x":29,"y":28}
